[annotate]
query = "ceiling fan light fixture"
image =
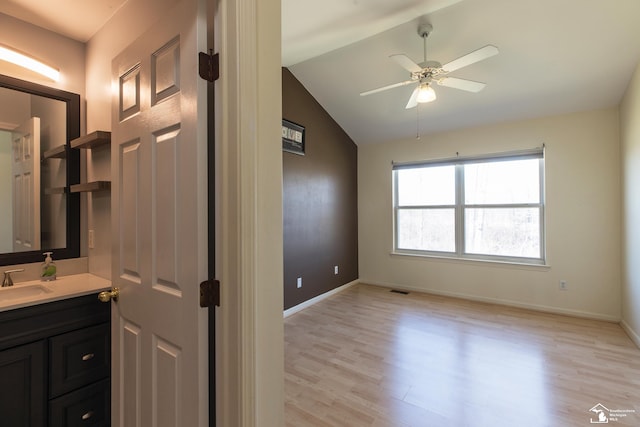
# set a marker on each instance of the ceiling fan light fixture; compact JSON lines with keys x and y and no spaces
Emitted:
{"x":426,"y":93}
{"x":16,"y":57}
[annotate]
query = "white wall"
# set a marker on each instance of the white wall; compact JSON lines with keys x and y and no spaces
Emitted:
{"x":128,"y":23}
{"x":15,"y":107}
{"x":131,"y":21}
{"x":582,"y":217}
{"x":630,"y":138}
{"x":53,"y":133}
{"x":61,"y":52}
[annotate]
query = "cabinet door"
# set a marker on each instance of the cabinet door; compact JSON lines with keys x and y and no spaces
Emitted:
{"x":22,"y":386}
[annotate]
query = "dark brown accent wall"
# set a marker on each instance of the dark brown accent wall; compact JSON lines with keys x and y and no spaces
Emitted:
{"x":320,"y":200}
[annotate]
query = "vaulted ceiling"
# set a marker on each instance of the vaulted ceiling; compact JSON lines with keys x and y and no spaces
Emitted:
{"x":556,"y":56}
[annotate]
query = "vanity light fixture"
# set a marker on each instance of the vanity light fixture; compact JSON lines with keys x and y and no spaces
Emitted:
{"x":25,"y":61}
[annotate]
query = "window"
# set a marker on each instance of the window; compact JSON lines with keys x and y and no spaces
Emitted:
{"x":480,"y":208}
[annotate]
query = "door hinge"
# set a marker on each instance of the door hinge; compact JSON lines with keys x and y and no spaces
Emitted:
{"x":210,"y":293}
{"x":209,"y":66}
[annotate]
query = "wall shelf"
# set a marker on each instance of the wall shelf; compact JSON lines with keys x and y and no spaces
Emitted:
{"x":55,"y":190}
{"x":89,"y":187}
{"x":55,"y":153}
{"x":92,"y":140}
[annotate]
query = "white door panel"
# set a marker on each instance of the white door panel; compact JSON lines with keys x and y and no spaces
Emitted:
{"x":159,"y":331}
{"x":25,"y":167}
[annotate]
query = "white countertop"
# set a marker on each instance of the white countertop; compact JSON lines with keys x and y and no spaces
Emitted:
{"x":62,"y":288}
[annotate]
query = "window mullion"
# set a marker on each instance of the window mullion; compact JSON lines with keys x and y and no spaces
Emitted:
{"x":543,"y":197}
{"x":459,"y":209}
{"x":395,"y":210}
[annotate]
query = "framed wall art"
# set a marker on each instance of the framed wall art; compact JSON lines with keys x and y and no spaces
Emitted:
{"x":292,"y":137}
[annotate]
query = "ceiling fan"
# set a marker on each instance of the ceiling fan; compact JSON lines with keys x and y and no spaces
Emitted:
{"x":428,"y":72}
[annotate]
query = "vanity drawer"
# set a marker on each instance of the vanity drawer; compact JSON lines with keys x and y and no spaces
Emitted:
{"x":79,"y":358}
{"x":88,"y":406}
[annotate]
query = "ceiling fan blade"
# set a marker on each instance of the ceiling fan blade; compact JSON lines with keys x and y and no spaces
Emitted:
{"x":456,"y":83}
{"x":380,"y":89}
{"x":407,"y":63}
{"x":413,"y":100}
{"x":471,"y":58}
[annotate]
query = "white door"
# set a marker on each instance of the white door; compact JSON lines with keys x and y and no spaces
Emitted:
{"x":159,"y":211}
{"x":25,"y":167}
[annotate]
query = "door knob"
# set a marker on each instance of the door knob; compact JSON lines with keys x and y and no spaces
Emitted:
{"x":107,"y":296}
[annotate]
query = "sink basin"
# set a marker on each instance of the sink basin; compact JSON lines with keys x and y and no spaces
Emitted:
{"x":23,"y":291}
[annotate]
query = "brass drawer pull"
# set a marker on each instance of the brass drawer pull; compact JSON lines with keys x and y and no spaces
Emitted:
{"x":87,"y":415}
{"x":88,"y":356}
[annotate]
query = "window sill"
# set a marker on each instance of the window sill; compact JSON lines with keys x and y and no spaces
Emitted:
{"x":480,"y":261}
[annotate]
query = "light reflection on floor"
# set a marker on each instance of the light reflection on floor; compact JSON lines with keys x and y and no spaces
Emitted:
{"x":366,"y":357}
{"x":490,"y":373}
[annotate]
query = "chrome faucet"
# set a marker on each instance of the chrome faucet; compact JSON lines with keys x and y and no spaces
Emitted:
{"x":7,"y":281}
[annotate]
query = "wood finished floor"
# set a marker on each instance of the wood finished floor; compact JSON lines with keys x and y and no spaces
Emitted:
{"x":369,"y":357}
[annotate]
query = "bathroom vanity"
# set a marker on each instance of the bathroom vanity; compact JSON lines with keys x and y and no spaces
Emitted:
{"x":55,"y":353}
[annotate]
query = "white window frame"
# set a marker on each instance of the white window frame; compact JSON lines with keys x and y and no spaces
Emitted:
{"x":459,"y":207}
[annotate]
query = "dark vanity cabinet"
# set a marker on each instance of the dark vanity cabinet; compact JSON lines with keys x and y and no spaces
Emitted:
{"x":22,"y":395}
{"x":55,"y":364}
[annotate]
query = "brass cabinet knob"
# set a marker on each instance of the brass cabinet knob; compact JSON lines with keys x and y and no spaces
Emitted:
{"x":107,"y":296}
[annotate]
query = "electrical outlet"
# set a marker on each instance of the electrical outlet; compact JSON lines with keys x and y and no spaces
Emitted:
{"x":563,"y":285}
{"x":91,"y":242}
{"x":335,"y":270}
{"x":299,"y":282}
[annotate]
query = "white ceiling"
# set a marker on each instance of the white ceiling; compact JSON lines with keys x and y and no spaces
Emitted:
{"x":76,"y":19}
{"x":556,"y":56}
{"x":311,"y":28}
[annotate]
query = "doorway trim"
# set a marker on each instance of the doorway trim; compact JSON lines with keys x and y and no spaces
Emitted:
{"x":250,"y":341}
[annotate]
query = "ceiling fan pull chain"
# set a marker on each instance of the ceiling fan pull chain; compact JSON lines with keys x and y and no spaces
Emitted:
{"x":418,"y":121}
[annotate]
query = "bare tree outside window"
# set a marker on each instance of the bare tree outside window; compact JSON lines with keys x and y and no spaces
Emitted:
{"x":472,"y":208}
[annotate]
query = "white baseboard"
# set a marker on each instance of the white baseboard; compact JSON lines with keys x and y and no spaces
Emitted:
{"x":510,"y":303}
{"x":632,"y":334}
{"x":288,"y":312}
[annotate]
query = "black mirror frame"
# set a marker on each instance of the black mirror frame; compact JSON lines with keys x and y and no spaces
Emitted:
{"x":72,"y":100}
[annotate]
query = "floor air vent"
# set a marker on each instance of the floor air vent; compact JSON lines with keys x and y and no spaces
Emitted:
{"x":396,"y":291}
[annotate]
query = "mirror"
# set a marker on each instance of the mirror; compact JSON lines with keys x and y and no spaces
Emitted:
{"x":37,"y":168}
